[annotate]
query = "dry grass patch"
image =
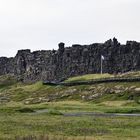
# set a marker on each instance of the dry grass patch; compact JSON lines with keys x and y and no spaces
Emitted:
{"x":116,"y":103}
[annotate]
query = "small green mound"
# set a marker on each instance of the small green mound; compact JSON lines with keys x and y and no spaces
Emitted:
{"x":124,"y":110}
{"x":54,"y":112}
{"x":25,"y":110}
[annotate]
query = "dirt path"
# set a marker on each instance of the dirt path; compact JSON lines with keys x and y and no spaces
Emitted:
{"x":99,"y":114}
{"x":90,"y":113}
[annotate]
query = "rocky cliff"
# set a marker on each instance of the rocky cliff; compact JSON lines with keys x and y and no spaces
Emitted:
{"x":70,"y":61}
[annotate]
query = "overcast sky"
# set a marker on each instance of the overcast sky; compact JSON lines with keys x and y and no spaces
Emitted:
{"x":42,"y":24}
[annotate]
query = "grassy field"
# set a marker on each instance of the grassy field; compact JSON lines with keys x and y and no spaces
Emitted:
{"x":19,"y":101}
{"x":14,"y":123}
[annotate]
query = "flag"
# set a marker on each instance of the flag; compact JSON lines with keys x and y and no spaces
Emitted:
{"x":102,"y":57}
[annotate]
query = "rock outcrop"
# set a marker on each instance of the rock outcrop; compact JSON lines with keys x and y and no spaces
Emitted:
{"x":70,"y":61}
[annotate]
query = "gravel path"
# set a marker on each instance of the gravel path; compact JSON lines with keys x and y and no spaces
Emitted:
{"x":99,"y":114}
{"x":90,"y":113}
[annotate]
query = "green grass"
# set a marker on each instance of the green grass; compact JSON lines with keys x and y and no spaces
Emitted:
{"x":104,"y":75}
{"x":48,"y":137}
{"x":54,"y":112}
{"x":130,"y":74}
{"x":25,"y":110}
{"x":17,"y":124}
{"x":88,"y":77}
{"x":17,"y":116}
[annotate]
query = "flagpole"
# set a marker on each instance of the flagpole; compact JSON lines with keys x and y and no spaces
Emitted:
{"x":101,"y":65}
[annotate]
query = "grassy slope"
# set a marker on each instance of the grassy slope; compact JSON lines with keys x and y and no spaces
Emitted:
{"x":88,"y":77}
{"x":68,"y":99}
{"x":105,"y":75}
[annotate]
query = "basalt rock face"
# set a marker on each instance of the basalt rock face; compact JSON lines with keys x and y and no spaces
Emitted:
{"x":6,"y":65}
{"x":70,"y":61}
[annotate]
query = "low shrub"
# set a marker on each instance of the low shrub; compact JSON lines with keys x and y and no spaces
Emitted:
{"x":54,"y":112}
{"x":25,"y":110}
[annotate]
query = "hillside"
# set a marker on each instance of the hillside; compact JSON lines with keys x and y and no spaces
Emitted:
{"x":19,"y":101}
{"x":36,"y":93}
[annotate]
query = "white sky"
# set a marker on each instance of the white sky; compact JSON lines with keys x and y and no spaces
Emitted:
{"x":42,"y":24}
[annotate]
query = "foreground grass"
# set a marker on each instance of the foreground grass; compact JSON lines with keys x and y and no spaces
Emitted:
{"x":46,"y":137}
{"x":18,"y":118}
{"x":73,"y":106}
{"x":25,"y":124}
{"x":20,"y":121}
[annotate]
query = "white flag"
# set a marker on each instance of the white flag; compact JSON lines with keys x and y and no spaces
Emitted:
{"x":102,"y":57}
